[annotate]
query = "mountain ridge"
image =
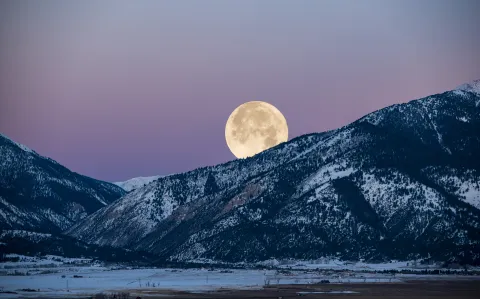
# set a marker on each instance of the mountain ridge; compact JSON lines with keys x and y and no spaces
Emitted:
{"x":473,"y":86}
{"x":135,"y":183}
{"x":39,"y":194}
{"x":378,"y":188}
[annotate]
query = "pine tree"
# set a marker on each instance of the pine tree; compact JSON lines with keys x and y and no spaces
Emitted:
{"x":210,"y":185}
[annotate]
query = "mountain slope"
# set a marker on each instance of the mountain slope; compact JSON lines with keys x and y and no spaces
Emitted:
{"x":401,"y":182}
{"x":38,"y":194}
{"x":136,"y":183}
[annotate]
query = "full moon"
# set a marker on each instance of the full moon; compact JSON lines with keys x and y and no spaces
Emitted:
{"x":254,"y":127}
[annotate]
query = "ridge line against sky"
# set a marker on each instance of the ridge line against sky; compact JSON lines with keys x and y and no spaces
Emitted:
{"x":121,"y":89}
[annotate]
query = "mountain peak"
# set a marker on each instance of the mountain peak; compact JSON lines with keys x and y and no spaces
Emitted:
{"x":135,"y":183}
{"x":473,"y":86}
{"x":21,"y":146}
{"x":38,"y":194}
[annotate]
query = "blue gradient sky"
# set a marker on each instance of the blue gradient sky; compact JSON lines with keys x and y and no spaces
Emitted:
{"x":118,"y":89}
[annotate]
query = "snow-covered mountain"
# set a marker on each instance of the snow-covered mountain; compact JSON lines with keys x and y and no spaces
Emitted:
{"x":401,"y":182}
{"x":473,"y":86}
{"x":135,"y":183}
{"x":38,"y":194}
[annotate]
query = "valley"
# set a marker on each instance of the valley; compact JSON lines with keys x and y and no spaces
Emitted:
{"x":57,"y":277}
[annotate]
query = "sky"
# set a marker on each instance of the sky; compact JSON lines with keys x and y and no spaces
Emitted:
{"x":120,"y":89}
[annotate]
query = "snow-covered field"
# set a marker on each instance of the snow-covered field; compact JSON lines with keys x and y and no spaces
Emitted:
{"x":98,"y":279}
{"x":353,"y":266}
{"x":59,"y":280}
{"x":94,"y":280}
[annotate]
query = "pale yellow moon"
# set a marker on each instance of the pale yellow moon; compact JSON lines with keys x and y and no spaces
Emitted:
{"x":254,"y":127}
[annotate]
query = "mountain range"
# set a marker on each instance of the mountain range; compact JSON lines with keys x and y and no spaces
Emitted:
{"x":401,"y":183}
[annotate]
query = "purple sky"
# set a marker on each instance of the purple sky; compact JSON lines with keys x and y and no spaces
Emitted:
{"x":118,"y":89}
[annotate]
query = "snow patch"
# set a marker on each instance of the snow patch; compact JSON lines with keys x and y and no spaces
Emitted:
{"x":435,"y":128}
{"x":136,"y":183}
{"x":21,"y":146}
{"x":328,"y":172}
{"x":473,"y":86}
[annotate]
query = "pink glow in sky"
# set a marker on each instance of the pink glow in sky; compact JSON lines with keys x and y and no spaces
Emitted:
{"x":118,"y":89}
